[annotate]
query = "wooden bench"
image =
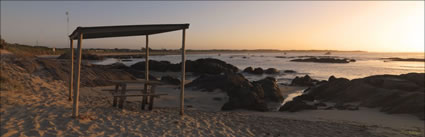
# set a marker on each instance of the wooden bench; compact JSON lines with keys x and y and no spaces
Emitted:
{"x":148,"y":94}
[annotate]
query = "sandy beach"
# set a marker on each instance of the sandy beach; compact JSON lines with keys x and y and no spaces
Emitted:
{"x":41,"y":108}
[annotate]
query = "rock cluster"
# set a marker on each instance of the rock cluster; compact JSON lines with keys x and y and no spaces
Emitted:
{"x":260,"y":71}
{"x":242,"y":93}
{"x":208,"y":66}
{"x":401,"y":94}
{"x":303,"y":81}
{"x":405,"y":59}
{"x":324,"y":60}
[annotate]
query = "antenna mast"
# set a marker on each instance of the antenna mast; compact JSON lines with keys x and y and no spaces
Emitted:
{"x":67,"y":23}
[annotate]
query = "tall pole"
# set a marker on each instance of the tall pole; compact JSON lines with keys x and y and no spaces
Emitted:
{"x":147,"y":59}
{"x":145,"y":98}
{"x":77,"y":79}
{"x":183,"y":73}
{"x":67,"y":23}
{"x":71,"y":78}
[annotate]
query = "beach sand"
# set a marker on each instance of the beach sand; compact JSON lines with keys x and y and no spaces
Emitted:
{"x":41,"y":108}
{"x":45,"y":111}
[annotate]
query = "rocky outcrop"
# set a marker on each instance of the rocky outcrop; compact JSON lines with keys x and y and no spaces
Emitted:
{"x":248,"y":70}
{"x":139,"y":74}
{"x":289,"y":71}
{"x":341,"y":106}
{"x":200,"y":66}
{"x":260,"y":71}
{"x":271,"y":71}
{"x":271,"y":89}
{"x":391,"y":93}
{"x":154,"y":65}
{"x":256,"y":71}
{"x":303,"y":81}
{"x":242,"y":93}
{"x":296,"y":105}
{"x":210,"y":66}
{"x":405,"y":59}
{"x":324,"y":60}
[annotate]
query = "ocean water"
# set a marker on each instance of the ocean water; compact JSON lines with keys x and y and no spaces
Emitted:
{"x":366,"y":64}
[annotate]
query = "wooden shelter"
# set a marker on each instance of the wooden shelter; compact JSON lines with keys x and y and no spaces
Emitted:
{"x":120,"y":31}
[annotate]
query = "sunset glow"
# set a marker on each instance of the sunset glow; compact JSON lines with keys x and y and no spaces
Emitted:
{"x":387,"y":26}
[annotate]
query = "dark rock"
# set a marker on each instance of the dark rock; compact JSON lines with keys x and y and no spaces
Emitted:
{"x":296,"y":105}
{"x":290,"y":71}
{"x":329,"y":108}
{"x":418,"y":78}
{"x":271,"y":71}
{"x":154,"y":65}
{"x":320,"y":104}
{"x":331,"y":78}
{"x":305,"y":97}
{"x":328,"y":90}
{"x":271,"y":89}
{"x":405,"y":59}
{"x":242,"y":93}
{"x":341,"y":106}
{"x":189,"y":106}
{"x":209,"y":82}
{"x":170,"y":80}
{"x":352,"y":107}
{"x":391,"y":82}
{"x":210,"y":66}
{"x":258,"y":71}
{"x":248,"y":70}
{"x":324,"y":60}
{"x":401,"y":94}
{"x":217,"y":98}
{"x":303,"y":81}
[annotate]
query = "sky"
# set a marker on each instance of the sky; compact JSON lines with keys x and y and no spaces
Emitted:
{"x":377,"y":26}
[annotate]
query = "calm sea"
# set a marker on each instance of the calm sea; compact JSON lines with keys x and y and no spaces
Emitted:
{"x":366,"y":64}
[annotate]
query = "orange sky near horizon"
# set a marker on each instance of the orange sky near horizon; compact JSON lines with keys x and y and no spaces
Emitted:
{"x":377,"y":26}
{"x":374,"y":27}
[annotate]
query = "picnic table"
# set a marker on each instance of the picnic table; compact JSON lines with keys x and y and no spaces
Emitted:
{"x":148,"y":93}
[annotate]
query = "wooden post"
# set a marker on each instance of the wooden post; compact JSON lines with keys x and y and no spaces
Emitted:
{"x":145,"y":98}
{"x":71,"y":77}
{"x":151,"y":98}
{"x":183,"y":74}
{"x":122,"y":98}
{"x":114,"y":103}
{"x":77,"y":78}
{"x":147,"y":59}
